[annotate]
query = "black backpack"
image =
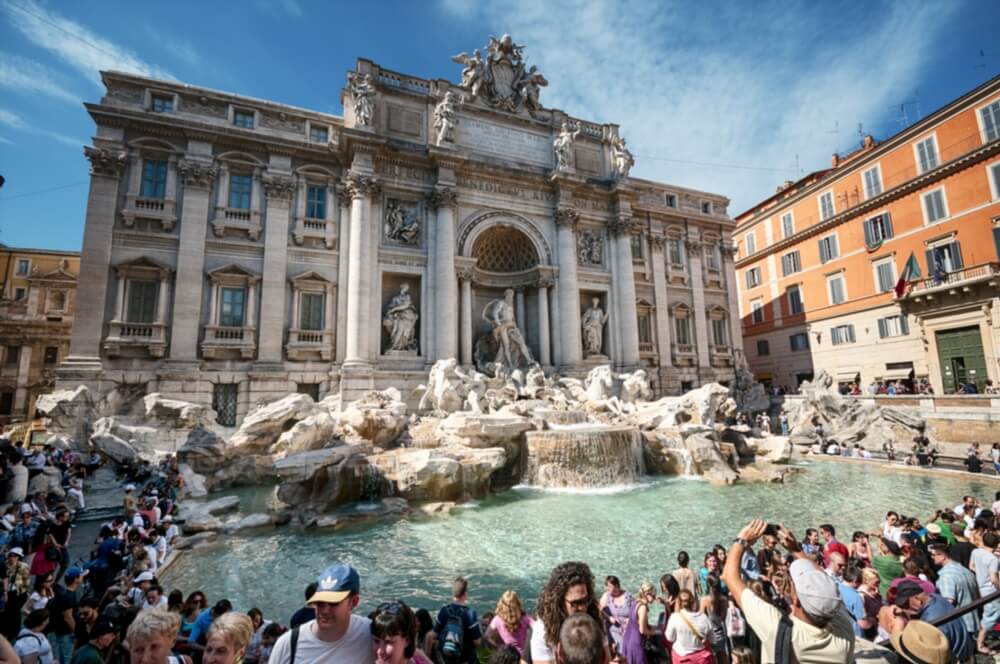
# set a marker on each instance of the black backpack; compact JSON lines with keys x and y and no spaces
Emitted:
{"x":453,"y":635}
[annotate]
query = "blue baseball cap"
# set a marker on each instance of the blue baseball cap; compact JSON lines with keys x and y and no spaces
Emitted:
{"x":74,"y":573}
{"x":336,"y":584}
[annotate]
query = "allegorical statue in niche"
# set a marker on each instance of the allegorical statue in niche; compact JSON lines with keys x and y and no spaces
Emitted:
{"x":402,"y":223}
{"x":500,"y":315}
{"x":562,"y":145}
{"x":446,"y":118}
{"x":593,"y":328}
{"x":363,"y":91}
{"x":624,"y":161}
{"x":400,"y":321}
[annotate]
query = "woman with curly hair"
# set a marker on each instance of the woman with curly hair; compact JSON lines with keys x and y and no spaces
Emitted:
{"x":510,"y":624}
{"x":569,"y":590}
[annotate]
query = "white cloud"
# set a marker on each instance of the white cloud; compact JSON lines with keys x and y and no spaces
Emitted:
{"x":181,"y":50}
{"x":27,"y":76}
{"x":14,"y":121}
{"x":747,"y":85}
{"x":79,"y":47}
{"x":4,"y":141}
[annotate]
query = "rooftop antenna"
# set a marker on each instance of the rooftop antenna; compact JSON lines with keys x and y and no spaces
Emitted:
{"x":902,"y":118}
{"x":916,"y":101}
{"x":861,"y":134}
{"x":982,"y":61}
{"x":836,"y":135}
{"x":798,"y":169}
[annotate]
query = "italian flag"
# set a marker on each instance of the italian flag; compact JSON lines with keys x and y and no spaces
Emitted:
{"x":910,"y":272}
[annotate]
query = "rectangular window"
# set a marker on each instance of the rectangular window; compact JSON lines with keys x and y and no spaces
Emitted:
{"x":6,"y":403}
{"x":842,"y":334}
{"x":163,"y":103}
{"x":682,"y":331}
{"x":675,"y":250}
{"x":712,"y":257}
{"x":311,"y":311}
{"x":828,"y":249}
{"x":799,"y":341}
{"x":319,"y":134}
{"x":706,"y":207}
{"x":757,"y":307}
{"x":240,"y":188}
{"x":312,"y":389}
{"x":892,"y":326}
{"x":645,"y":328}
{"x":751,"y":244}
{"x":991,"y":121}
{"x":934,"y":206}
{"x":885,"y":275}
{"x":763,"y":347}
{"x":877,"y":230}
{"x":787,"y":225}
{"x":753,"y":277}
{"x":233,"y":304}
{"x":944,"y":258}
{"x":719,"y":336}
{"x":873,"y":182}
{"x":636,"y":243}
{"x":316,"y":201}
{"x":224,"y":398}
{"x":12,"y":355}
{"x":835,"y":288}
{"x":794,"y":300}
{"x":23,"y":266}
{"x":20,"y":293}
{"x":927,"y":154}
{"x":141,"y":306}
{"x":51,"y":355}
{"x":670,"y":200}
{"x":243,"y":119}
{"x":995,"y":179}
{"x":790,"y":263}
{"x":154,"y":179}
{"x":826,"y":208}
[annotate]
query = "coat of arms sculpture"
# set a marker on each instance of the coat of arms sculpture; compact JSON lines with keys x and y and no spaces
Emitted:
{"x":501,"y":78}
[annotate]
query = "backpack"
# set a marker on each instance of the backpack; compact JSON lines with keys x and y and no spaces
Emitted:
{"x":736,"y":626}
{"x":783,"y":642}
{"x":453,"y":636}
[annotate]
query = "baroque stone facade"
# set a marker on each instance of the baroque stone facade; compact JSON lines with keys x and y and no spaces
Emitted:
{"x":238,"y":249}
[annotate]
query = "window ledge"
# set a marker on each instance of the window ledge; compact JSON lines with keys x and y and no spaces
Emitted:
{"x":307,"y":227}
{"x":163,"y":210}
{"x":239,"y":218}
{"x":122,"y":334}
{"x":221,"y":340}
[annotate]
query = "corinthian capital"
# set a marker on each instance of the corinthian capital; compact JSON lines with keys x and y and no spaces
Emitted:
{"x":620,"y":224}
{"x":465,"y":273}
{"x":728,"y":250}
{"x":105,"y":162}
{"x":442,"y":197}
{"x":362,"y":186}
{"x":279,"y":187}
{"x":196,"y":174}
{"x":693,"y":244}
{"x":657,"y":242}
{"x":566,"y":216}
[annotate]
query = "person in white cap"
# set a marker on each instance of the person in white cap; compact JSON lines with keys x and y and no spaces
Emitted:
{"x":819,"y":632}
{"x":142,"y":583}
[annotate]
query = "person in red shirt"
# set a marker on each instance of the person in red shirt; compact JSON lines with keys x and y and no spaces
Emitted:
{"x":832,"y":544}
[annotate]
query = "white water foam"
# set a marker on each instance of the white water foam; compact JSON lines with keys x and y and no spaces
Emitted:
{"x":588,"y":491}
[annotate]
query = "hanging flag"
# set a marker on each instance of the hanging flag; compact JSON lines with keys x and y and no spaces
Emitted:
{"x":910,"y":272}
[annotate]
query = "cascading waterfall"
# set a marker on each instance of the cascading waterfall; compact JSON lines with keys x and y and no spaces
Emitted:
{"x":374,"y":485}
{"x":584,"y":456}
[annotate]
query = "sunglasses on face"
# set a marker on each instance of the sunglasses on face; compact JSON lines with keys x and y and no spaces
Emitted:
{"x":392,"y":608}
{"x":581,"y":603}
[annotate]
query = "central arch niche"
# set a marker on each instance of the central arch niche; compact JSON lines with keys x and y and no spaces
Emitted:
{"x":504,"y":249}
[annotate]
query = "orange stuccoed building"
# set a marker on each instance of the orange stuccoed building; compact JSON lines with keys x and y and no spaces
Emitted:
{"x":819,"y":262}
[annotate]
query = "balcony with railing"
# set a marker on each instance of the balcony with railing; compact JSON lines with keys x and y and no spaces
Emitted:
{"x":684,"y":354}
{"x":163,"y":210}
{"x":223,"y":340}
{"x":307,"y":227}
{"x":309,"y":344}
{"x":125,"y":334}
{"x":955,"y":283}
{"x":243,"y":219}
{"x":720,"y":355}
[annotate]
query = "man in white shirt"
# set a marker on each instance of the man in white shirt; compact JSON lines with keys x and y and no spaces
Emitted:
{"x":172,"y":530}
{"x":891,"y":529}
{"x":336,"y":635}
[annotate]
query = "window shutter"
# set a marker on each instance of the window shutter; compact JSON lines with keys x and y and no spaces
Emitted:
{"x":823,"y":257}
{"x":996,"y":240}
{"x":904,"y":327}
{"x":869,"y":233}
{"x":887,"y":225}
{"x":882,"y":328}
{"x":930,"y":262}
{"x":850,"y":333}
{"x":956,"y":256}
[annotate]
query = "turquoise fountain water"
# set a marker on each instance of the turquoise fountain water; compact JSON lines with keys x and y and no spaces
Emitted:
{"x":513,"y":540}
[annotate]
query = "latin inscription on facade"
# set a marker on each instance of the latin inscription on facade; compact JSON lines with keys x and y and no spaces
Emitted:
{"x":504,"y":141}
{"x":505,"y":189}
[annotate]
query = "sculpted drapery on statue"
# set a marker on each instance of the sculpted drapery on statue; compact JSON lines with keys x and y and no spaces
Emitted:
{"x":446,"y":118}
{"x":562,"y":145}
{"x":363,"y":92}
{"x":502,"y":79}
{"x":624,"y":161}
{"x":400,"y":321}
{"x":402,"y":222}
{"x":511,"y":350}
{"x":593,"y":328}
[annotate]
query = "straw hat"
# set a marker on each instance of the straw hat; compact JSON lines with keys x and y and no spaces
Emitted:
{"x":921,"y":643}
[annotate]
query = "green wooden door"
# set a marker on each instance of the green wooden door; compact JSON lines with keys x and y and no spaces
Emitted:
{"x":960,"y":352}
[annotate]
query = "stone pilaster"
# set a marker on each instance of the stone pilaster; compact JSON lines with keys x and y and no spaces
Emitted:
{"x":23,"y":373}
{"x":343,"y":250}
{"x":83,"y":363}
{"x":657,"y":244}
{"x":570,"y":349}
{"x":628,"y":324}
{"x":197,"y":177}
{"x":693,"y":245}
{"x":729,"y":270}
{"x":443,"y":199}
{"x":465,"y":277}
{"x":544,"y":336}
{"x":274,"y":280}
{"x":362,"y":189}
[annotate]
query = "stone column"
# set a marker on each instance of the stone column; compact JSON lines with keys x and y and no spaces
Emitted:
{"x":119,"y":313}
{"x":23,"y":373}
{"x":359,"y":294}
{"x":197,"y":177}
{"x":296,"y":295}
{"x":735,"y":329}
{"x":162,"y":296}
{"x":628,"y":326}
{"x":445,"y":283}
{"x":273,"y":291}
{"x":544,"y":339}
{"x":170,"y":192}
{"x":343,"y":246}
{"x":466,"y":278}
{"x":83,"y":362}
{"x":327,"y":310}
{"x":251,"y":320}
{"x":134,"y":173}
{"x":657,"y":243}
{"x":570,"y":349}
{"x":213,"y":294}
{"x":519,"y":309}
{"x":693,"y":245}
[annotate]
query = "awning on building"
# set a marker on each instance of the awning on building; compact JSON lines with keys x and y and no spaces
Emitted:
{"x":895,"y":374}
{"x":847,"y":375}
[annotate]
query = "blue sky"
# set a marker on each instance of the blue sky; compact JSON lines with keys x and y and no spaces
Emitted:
{"x":719,"y":96}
